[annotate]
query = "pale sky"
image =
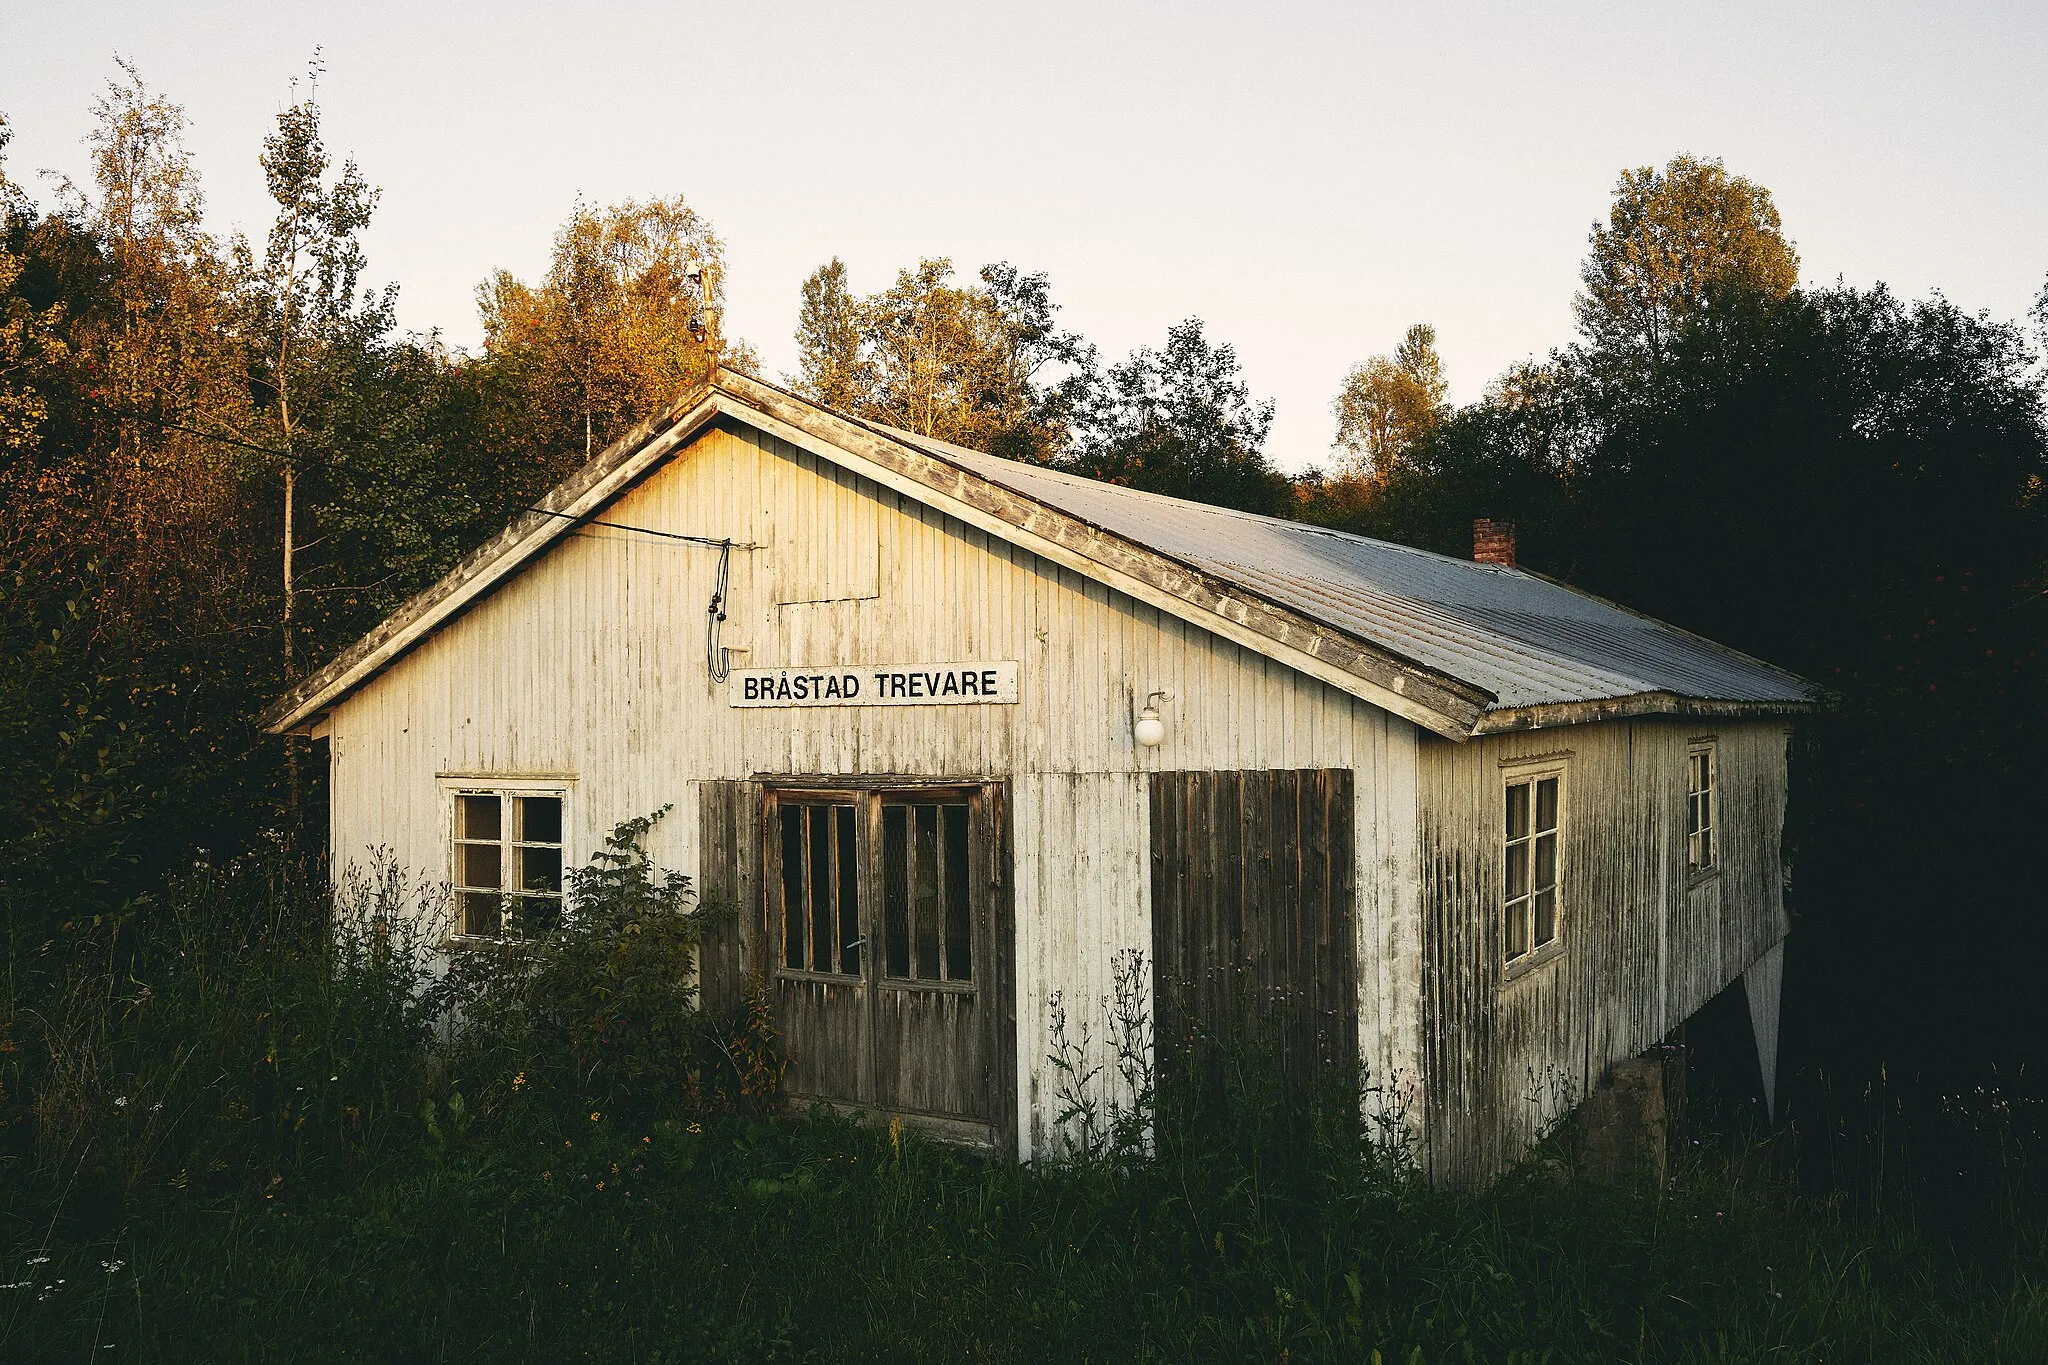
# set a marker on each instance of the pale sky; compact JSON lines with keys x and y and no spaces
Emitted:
{"x":1307,"y":178}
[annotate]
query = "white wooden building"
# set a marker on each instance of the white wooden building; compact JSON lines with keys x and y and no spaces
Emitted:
{"x":953,"y":732}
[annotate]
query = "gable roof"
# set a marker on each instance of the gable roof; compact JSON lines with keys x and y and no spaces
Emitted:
{"x":1458,"y":647}
{"x":1526,"y":639}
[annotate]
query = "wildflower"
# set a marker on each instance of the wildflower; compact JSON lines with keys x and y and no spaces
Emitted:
{"x":38,"y":1260}
{"x":334,"y":1078}
{"x":593,"y":1116}
{"x":519,"y":1080}
{"x":121,"y":1103}
{"x":157,"y":1108}
{"x":111,"y":1266}
{"x":600,"y":1184}
{"x":696,"y":1128}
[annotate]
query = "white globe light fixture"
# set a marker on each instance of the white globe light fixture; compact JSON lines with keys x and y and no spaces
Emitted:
{"x":1150,"y":731}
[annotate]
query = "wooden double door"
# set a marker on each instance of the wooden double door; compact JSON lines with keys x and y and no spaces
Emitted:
{"x":878,"y":933}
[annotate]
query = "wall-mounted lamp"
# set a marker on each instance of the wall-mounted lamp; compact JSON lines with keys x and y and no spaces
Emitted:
{"x":1150,"y":730}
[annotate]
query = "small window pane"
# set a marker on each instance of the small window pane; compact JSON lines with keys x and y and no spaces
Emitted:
{"x":1518,"y":871}
{"x":1546,"y":803}
{"x":1546,"y":863}
{"x":481,"y":912}
{"x":924,"y":892}
{"x":1546,"y":917}
{"x":540,"y":869}
{"x":849,"y":896}
{"x":1518,"y":929}
{"x":896,"y":889}
{"x":1706,"y":848}
{"x":793,"y":935}
{"x":537,"y":914}
{"x":540,"y":819}
{"x":480,"y":818}
{"x":824,"y":952}
{"x":959,"y":931}
{"x":1518,"y":811}
{"x":482,"y":865}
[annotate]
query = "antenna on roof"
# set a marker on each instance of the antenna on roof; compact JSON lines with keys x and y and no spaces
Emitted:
{"x":704,"y":315}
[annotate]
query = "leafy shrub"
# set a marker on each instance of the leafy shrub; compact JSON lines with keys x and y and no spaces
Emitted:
{"x":596,"y":1013}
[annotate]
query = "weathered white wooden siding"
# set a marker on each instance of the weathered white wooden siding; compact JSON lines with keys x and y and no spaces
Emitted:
{"x":1641,"y":949}
{"x":591,"y":664}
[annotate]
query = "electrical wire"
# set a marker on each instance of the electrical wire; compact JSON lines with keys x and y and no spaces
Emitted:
{"x":716,"y":657}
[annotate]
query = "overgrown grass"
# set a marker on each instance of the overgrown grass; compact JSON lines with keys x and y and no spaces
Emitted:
{"x":333,"y":1175}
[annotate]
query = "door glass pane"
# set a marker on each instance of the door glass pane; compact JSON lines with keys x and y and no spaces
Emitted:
{"x":482,"y":864}
{"x":959,"y":922}
{"x":849,"y":895}
{"x":1518,"y":811}
{"x":479,"y":818}
{"x":896,"y":889}
{"x":539,"y":819}
{"x":1546,"y":803}
{"x":924,"y":892}
{"x":793,"y":936}
{"x":823,"y":951}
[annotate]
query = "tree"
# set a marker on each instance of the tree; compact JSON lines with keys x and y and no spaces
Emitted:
{"x":831,"y":368}
{"x":624,"y":320}
{"x":1672,"y":241}
{"x":1181,"y":421}
{"x":305,"y":321}
{"x":964,"y":364}
{"x":1388,"y":403}
{"x":31,"y":341}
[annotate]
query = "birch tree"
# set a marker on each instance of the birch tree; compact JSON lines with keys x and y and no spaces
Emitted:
{"x":1388,"y":403}
{"x":626,"y":318}
{"x":972,"y":363}
{"x":304,"y":312}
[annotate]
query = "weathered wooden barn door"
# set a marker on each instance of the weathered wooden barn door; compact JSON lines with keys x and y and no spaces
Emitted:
{"x":878,"y":919}
{"x":1252,"y":938}
{"x":818,"y":847}
{"x":728,"y":882}
{"x":933,"y":1045}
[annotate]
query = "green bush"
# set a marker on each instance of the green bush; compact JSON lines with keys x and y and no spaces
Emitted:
{"x":527,"y":1156}
{"x":597,"y":1013}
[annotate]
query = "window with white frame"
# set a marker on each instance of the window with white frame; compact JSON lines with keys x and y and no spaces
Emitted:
{"x":1533,"y":811}
{"x":1700,"y":778}
{"x":507,"y":859}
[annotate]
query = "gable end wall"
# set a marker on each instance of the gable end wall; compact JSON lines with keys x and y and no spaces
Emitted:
{"x":590,"y":663}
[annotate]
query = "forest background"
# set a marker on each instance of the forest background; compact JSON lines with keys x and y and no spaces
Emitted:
{"x":220,"y":461}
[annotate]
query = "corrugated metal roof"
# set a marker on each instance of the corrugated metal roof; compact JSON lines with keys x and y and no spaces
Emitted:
{"x":1527,"y":640}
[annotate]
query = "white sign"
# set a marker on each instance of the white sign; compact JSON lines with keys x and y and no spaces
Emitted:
{"x":875,"y":685}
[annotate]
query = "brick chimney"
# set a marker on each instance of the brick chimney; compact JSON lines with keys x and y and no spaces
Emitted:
{"x":1493,"y":542}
